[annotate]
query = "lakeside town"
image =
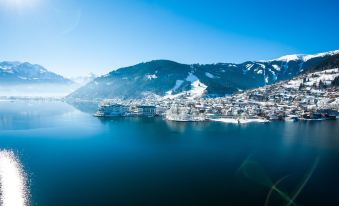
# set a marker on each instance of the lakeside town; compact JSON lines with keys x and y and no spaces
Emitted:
{"x":312,"y":96}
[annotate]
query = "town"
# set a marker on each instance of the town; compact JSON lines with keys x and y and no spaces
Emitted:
{"x":310,"y":96}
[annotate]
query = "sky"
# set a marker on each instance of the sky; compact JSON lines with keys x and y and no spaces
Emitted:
{"x":77,"y":37}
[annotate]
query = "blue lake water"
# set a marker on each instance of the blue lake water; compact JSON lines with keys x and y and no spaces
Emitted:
{"x":72,"y":158}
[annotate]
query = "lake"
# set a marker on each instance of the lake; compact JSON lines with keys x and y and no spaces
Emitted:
{"x":71,"y":158}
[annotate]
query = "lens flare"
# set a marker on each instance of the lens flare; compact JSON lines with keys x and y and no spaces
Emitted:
{"x":304,"y":182}
{"x":251,"y":170}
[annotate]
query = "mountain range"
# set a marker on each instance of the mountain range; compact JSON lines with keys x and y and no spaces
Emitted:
{"x":167,"y":78}
{"x":27,"y":73}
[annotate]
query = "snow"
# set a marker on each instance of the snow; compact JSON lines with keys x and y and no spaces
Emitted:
{"x":249,"y":66}
{"x":12,"y":180}
{"x":82,"y":80}
{"x":262,"y":66}
{"x":191,"y":77}
{"x":8,"y":71}
{"x":266,"y":80}
{"x":287,"y":58}
{"x":274,"y":74}
{"x":209,"y":75}
{"x":302,"y":57}
{"x":151,"y":76}
{"x":178,"y":83}
{"x":276,"y":67}
{"x":41,"y":70}
{"x":240,"y":121}
{"x":198,"y":89}
{"x":308,"y":57}
{"x":293,"y":83}
{"x":326,"y":76}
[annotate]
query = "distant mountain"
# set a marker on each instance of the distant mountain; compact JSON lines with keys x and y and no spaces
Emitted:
{"x":26,"y":73}
{"x":169,"y":78}
{"x":82,"y":80}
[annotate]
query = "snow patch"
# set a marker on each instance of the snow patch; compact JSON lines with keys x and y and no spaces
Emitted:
{"x":273,"y":74}
{"x":276,"y":67}
{"x":239,"y":121}
{"x":198,"y":89}
{"x":249,"y":66}
{"x":262,"y":66}
{"x":178,"y":83}
{"x":287,"y":58}
{"x":209,"y":75}
{"x":191,"y":77}
{"x":151,"y":76}
{"x":259,"y":72}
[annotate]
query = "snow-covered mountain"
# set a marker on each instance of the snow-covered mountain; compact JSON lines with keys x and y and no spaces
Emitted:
{"x":26,"y":73}
{"x":82,"y":80}
{"x":169,"y":78}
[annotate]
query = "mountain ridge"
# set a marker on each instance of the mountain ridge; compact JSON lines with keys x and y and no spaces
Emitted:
{"x":163,"y":77}
{"x":15,"y":72}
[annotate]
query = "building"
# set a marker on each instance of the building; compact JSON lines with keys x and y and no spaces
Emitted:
{"x":148,"y":111}
{"x":111,"y":110}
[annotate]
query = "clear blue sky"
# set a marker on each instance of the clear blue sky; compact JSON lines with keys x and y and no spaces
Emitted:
{"x":75,"y":37}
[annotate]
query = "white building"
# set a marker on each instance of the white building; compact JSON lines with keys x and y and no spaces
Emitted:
{"x":111,"y":110}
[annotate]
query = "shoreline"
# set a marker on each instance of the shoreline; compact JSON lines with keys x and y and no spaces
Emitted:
{"x":239,"y":121}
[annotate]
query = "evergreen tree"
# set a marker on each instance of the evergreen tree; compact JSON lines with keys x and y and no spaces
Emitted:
{"x":301,"y":86}
{"x":335,"y":82}
{"x":322,"y":85}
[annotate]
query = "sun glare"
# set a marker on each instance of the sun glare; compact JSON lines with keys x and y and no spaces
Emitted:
{"x":18,"y":4}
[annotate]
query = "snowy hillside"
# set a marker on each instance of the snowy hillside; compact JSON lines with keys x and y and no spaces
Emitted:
{"x":306,"y":92}
{"x":313,"y":80}
{"x":170,"y":79}
{"x":304,"y":57}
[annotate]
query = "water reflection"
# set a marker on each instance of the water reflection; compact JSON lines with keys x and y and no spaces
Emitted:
{"x":319,"y":134}
{"x":84,"y":160}
{"x":85,"y":106}
{"x":182,"y":127}
{"x":18,"y":115}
